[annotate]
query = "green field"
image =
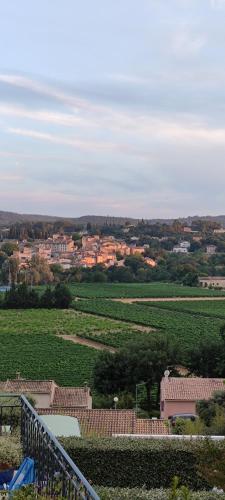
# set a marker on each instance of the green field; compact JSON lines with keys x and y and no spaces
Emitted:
{"x":139,"y":290}
{"x":30,"y":343}
{"x":41,"y":357}
{"x":56,"y":321}
{"x":182,"y":325}
{"x":206,"y":308}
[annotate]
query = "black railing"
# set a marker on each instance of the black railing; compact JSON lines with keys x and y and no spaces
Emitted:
{"x":56,"y":475}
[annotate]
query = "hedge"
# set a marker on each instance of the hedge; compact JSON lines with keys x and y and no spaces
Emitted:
{"x":159,"y":494}
{"x":10,"y":452}
{"x":130,"y":463}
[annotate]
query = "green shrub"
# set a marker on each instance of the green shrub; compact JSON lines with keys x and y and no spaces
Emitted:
{"x":142,"y":494}
{"x":130,"y":463}
{"x":10,"y":451}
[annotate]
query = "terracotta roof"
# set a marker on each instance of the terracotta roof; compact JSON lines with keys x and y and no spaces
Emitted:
{"x":99,"y":422}
{"x":27,"y":386}
{"x":190,"y":389}
{"x":148,"y":426}
{"x":59,"y":396}
{"x":108,"y":422}
{"x":71,"y":396}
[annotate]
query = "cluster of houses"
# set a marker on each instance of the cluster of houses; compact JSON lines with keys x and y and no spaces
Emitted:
{"x":184,"y":247}
{"x":61,"y":249}
{"x":179,"y":395}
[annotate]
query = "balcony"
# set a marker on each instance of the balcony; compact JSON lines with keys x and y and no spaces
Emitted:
{"x":56,"y":475}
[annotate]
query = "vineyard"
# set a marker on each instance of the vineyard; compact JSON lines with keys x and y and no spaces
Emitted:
{"x":41,"y":357}
{"x":183,"y":326}
{"x":30,"y":344}
{"x":55,"y":321}
{"x":118,"y":338}
{"x":206,"y":308}
{"x":139,"y":290}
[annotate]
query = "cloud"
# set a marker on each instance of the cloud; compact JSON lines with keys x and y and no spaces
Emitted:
{"x":78,"y":144}
{"x":68,"y":120}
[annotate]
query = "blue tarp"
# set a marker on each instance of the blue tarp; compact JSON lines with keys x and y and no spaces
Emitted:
{"x":25,"y":475}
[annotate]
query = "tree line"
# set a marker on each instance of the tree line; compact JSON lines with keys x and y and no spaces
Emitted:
{"x":24,"y":297}
{"x":145,"y":362}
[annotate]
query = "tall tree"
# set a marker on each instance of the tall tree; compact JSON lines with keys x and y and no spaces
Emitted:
{"x":144,"y":362}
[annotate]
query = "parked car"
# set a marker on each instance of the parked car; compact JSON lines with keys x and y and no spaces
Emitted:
{"x":183,"y":416}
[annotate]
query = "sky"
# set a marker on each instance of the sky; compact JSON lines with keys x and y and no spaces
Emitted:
{"x":112,"y":107}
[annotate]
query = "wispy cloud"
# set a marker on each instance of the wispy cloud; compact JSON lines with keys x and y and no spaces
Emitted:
{"x":78,"y":144}
{"x":68,"y":120}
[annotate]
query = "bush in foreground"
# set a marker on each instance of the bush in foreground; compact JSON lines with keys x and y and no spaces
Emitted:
{"x":130,"y":463}
{"x":158,"y":494}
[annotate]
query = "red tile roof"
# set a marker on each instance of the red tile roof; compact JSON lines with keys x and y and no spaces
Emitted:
{"x":27,"y":386}
{"x":109,"y":422}
{"x":148,"y":426}
{"x":71,"y":396}
{"x":190,"y":389}
{"x":99,"y":422}
{"x":59,"y":396}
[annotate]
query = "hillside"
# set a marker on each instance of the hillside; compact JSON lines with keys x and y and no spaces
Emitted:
{"x":9,"y":218}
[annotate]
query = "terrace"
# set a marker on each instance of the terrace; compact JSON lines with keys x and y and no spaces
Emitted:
{"x":56,"y":475}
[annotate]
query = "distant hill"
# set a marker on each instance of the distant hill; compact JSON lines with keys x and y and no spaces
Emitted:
{"x":9,"y":218}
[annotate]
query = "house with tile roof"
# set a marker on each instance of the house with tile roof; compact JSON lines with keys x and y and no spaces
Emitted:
{"x":106,"y":423}
{"x":47,"y":394}
{"x":180,"y":394}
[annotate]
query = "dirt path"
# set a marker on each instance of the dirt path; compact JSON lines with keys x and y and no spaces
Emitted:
{"x":168,"y":299}
{"x":89,"y":343}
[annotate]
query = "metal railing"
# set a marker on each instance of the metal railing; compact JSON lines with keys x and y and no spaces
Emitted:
{"x":56,"y":475}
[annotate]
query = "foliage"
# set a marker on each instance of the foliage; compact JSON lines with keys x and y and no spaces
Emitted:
{"x":182,"y":326}
{"x":137,"y":290}
{"x":206,"y":358}
{"x":9,"y":247}
{"x":42,"y":357}
{"x":212,"y":413}
{"x":10,"y":451}
{"x":129,"y":463}
{"x":144,"y":361}
{"x":197,"y":307}
{"x":23,"y":297}
{"x":158,"y":494}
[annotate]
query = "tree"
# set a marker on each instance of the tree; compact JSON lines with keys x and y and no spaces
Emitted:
{"x":212,"y":413}
{"x":145,"y":362}
{"x":62,"y":296}
{"x":47,"y":299}
{"x":9,"y":248}
{"x":40,"y":272}
{"x":13,"y":269}
{"x":206,"y":359}
{"x":191,"y":279}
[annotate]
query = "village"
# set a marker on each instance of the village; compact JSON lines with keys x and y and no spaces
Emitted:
{"x":92,"y":250}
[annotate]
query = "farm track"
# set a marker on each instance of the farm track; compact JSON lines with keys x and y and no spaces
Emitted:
{"x":168,"y":299}
{"x":89,"y":343}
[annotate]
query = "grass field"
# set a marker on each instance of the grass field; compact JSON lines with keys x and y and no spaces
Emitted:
{"x":140,"y":290}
